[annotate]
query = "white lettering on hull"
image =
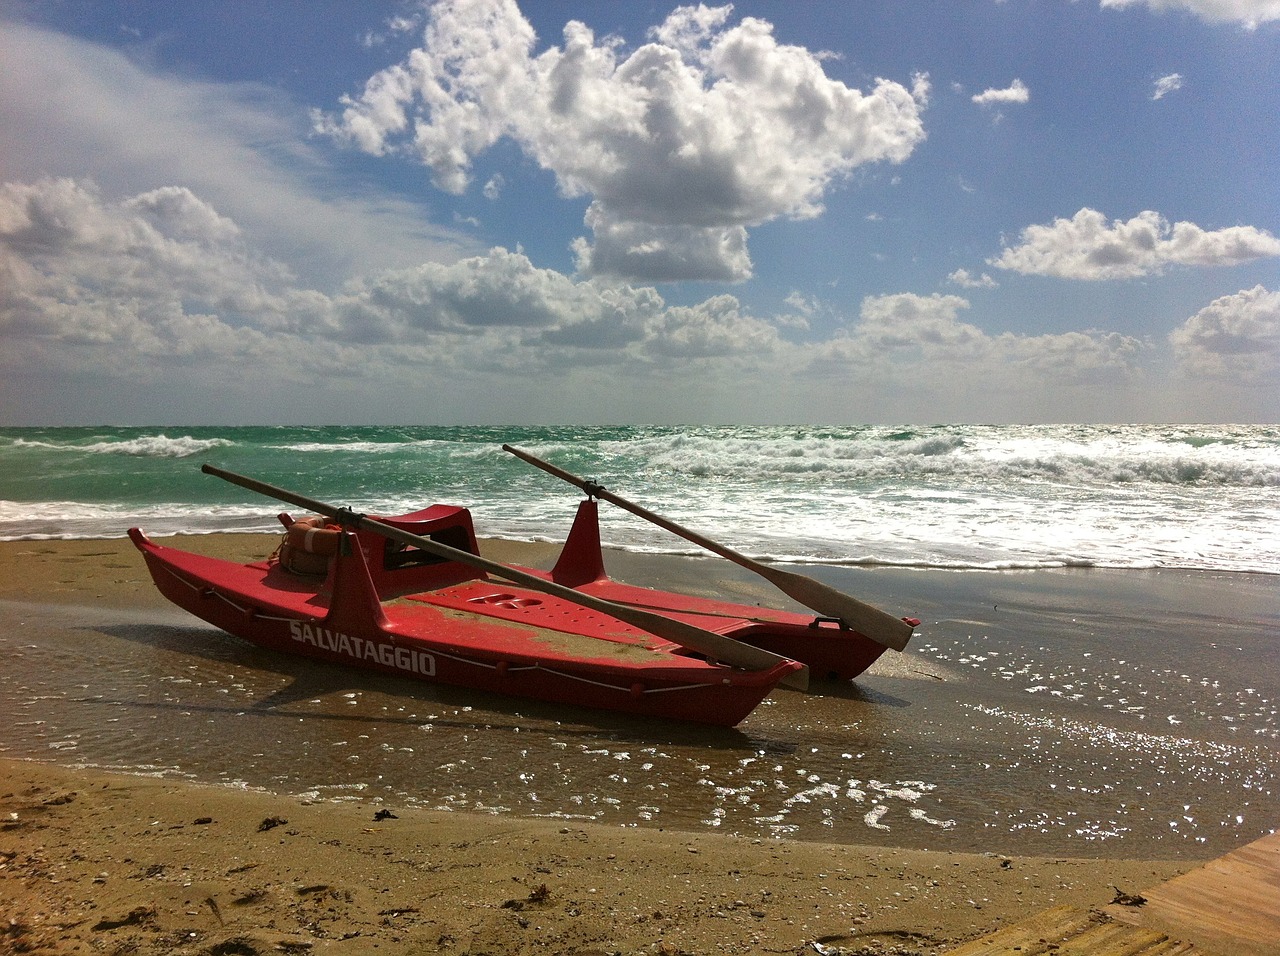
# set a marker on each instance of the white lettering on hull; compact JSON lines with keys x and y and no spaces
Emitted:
{"x":357,"y":648}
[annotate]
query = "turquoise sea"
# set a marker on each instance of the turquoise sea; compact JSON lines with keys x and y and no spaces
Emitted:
{"x":943,"y":496}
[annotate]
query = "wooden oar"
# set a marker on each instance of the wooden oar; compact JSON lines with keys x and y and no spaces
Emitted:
{"x":714,"y":646}
{"x":876,"y":624}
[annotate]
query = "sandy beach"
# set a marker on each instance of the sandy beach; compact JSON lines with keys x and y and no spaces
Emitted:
{"x":92,"y":861}
{"x":101,"y":863}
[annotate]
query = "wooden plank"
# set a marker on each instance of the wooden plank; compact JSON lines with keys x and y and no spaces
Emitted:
{"x":1068,"y":931}
{"x":1030,"y":936}
{"x":1230,"y":905}
{"x":1227,"y":907}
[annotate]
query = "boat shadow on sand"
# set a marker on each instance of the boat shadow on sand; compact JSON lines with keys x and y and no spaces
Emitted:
{"x":311,"y":680}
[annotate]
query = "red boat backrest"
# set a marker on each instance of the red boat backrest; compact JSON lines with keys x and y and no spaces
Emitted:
{"x":446,"y":524}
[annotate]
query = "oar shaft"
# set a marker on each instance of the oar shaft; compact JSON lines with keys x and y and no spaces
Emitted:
{"x":881,"y":627}
{"x":713,"y":645}
{"x":604,"y":494}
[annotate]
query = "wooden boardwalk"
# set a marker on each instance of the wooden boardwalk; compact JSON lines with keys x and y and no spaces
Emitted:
{"x":1227,"y":907}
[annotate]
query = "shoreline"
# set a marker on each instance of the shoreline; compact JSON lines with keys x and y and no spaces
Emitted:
{"x":108,"y":573}
{"x":108,"y":862}
{"x":527,"y":550}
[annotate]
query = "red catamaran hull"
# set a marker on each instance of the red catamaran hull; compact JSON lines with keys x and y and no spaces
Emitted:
{"x":384,"y":609}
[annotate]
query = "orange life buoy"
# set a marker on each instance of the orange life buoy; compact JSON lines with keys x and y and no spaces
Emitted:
{"x":313,"y":536}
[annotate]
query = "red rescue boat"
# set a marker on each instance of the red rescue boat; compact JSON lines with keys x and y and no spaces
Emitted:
{"x":411,"y":596}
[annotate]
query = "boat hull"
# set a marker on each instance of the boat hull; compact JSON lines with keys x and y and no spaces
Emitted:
{"x":384,"y":606}
{"x":418,"y":641}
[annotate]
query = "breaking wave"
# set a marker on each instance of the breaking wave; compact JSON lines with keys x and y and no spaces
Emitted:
{"x":145,"y":446}
{"x":942,"y":496}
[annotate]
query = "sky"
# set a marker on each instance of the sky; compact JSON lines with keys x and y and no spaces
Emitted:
{"x":502,"y":212}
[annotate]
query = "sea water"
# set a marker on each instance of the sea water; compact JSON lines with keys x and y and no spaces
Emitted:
{"x":944,"y":496}
{"x":1076,"y":710}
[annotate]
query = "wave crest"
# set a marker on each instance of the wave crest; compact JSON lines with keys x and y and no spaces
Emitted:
{"x":145,"y":446}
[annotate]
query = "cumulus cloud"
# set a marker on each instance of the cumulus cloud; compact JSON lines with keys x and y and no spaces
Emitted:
{"x":966,"y":280}
{"x":1237,"y":335}
{"x":161,"y":286}
{"x":498,"y":291}
{"x":898,"y":321}
{"x":1087,"y":247}
{"x":1166,"y":85}
{"x":908,"y":328}
{"x":715,"y":328}
{"x":68,"y":106}
{"x":163,"y":274}
{"x":652,"y":252}
{"x":79,"y":268}
{"x":502,"y":302}
{"x":1015,"y":92}
{"x":1248,"y":13}
{"x":682,"y":145}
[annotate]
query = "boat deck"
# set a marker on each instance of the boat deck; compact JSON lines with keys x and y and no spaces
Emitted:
{"x":507,"y":602}
{"x":499,"y":618}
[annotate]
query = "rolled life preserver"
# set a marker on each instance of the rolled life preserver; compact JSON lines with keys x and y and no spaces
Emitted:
{"x":312,"y":536}
{"x":308,"y":546}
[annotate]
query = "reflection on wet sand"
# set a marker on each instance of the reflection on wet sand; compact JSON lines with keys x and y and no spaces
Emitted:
{"x":1005,"y":728}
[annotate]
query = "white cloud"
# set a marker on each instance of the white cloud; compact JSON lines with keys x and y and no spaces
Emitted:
{"x":1166,"y":85}
{"x":394,"y":26}
{"x":804,"y":305}
{"x":682,"y":144}
{"x":914,"y":331}
{"x":539,"y":318}
{"x":1248,"y":13}
{"x":142,"y":286}
{"x":899,"y":321}
{"x":1237,"y":336}
{"x":1087,"y":247}
{"x":964,"y":279}
{"x":164,"y":275}
{"x":1015,"y":92}
{"x":714,"y":328}
{"x":161,"y":289}
{"x":499,"y":290}
{"x":653,"y":252}
{"x":69,"y":108}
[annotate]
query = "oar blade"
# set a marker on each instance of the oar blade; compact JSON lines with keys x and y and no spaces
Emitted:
{"x":797,"y":679}
{"x":878,"y":625}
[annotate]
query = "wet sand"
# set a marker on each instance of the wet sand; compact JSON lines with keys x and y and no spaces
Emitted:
{"x":97,"y":861}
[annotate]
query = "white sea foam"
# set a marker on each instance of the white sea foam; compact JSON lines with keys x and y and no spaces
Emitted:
{"x":934,"y":497}
{"x":147,"y":446}
{"x":1063,"y":453}
{"x":355,"y":447}
{"x":52,"y":520}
